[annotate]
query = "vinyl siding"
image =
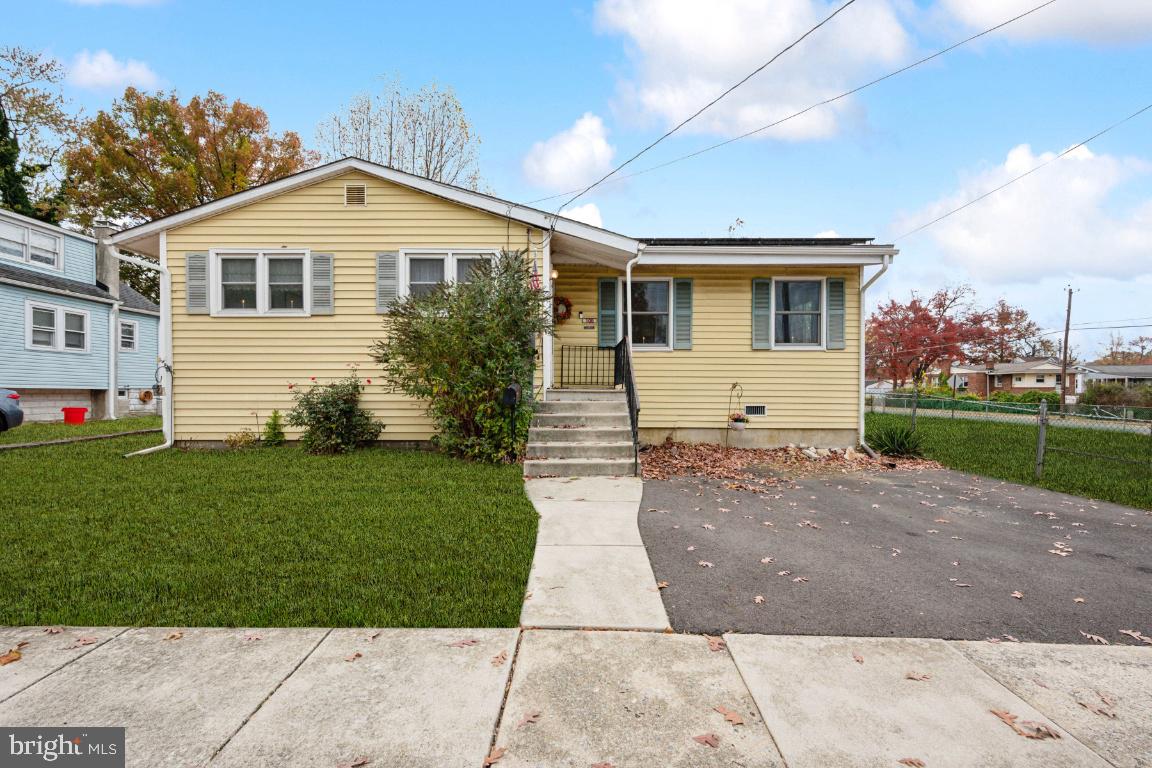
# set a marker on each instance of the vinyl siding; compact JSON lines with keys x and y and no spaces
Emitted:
{"x":22,"y":368}
{"x":79,"y":257}
{"x":138,"y":369}
{"x":802,"y":389}
{"x":229,"y":372}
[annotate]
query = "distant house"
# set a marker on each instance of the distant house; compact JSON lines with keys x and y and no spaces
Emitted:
{"x":1126,"y":375}
{"x":1019,"y":376}
{"x":74,"y":335}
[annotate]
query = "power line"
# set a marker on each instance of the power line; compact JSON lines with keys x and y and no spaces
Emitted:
{"x":1027,"y":173}
{"x":804,"y":111}
{"x":704,"y":108}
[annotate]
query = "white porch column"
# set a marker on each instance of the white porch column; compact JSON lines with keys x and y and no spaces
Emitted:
{"x":546,"y":351}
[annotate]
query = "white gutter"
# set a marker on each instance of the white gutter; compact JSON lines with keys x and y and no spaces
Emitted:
{"x":547,"y":351}
{"x":113,"y":360}
{"x":628,"y":288}
{"x":165,"y":357}
{"x":863,"y":290}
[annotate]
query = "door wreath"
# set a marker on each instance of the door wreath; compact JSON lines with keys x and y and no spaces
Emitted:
{"x":561,"y":308}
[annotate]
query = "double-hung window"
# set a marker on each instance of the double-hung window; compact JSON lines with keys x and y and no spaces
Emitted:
{"x":651,"y":314}
{"x":425,"y":269}
{"x":257,"y":282}
{"x":798,"y":308}
{"x":128,"y":333}
{"x":54,"y":328}
{"x":29,"y":245}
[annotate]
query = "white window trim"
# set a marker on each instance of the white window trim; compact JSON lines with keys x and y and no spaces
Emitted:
{"x":262,"y":255}
{"x":27,"y":243}
{"x":450,"y":256}
{"x":135,"y":335}
{"x":622,"y":312}
{"x":60,"y":328}
{"x":823,"y":345}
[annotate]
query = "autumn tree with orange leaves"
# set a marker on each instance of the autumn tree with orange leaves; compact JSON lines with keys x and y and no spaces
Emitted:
{"x":152,"y":155}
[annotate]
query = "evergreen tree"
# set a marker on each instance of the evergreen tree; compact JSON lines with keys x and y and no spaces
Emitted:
{"x":13,"y":193}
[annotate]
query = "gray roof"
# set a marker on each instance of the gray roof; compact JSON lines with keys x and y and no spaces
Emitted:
{"x":54,"y":283}
{"x":1131,"y":371}
{"x":133,"y":299}
{"x":755,"y":241}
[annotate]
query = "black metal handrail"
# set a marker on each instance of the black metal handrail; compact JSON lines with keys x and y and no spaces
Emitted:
{"x":586,"y":366}
{"x":624,"y":375}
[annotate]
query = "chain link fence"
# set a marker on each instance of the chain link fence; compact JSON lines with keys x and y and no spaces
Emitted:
{"x":1103,"y":453}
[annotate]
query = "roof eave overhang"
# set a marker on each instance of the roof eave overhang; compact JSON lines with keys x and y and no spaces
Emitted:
{"x":851,"y":255}
{"x":136,"y":237}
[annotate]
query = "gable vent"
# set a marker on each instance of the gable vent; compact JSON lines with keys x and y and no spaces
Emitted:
{"x":755,"y":410}
{"x":355,"y":194}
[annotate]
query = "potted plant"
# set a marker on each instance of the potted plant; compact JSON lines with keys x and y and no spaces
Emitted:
{"x":737,"y":420}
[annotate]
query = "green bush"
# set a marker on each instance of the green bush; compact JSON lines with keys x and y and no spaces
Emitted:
{"x":332,"y":418}
{"x":898,"y":440}
{"x":274,"y":430}
{"x":1110,"y":393}
{"x":460,"y":345}
{"x":1034,"y":396}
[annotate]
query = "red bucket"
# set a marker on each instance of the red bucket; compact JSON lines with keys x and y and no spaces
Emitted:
{"x":74,"y":415}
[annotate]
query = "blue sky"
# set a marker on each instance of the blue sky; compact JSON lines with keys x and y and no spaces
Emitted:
{"x":560,"y":91}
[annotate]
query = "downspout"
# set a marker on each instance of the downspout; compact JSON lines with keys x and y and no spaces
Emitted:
{"x":863,"y":290}
{"x":113,"y":361}
{"x":165,"y":358}
{"x":628,"y":288}
{"x":549,"y":336}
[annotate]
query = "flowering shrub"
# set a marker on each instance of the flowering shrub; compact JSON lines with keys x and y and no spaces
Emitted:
{"x":332,"y":418}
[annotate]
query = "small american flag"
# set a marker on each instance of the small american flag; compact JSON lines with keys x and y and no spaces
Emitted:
{"x":534,"y":281}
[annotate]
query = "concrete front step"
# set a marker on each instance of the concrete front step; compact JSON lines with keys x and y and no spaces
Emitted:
{"x":578,"y":467}
{"x":574,"y":419}
{"x":583,"y":395}
{"x":540,"y":434}
{"x":583,"y":406}
{"x":618,"y":450}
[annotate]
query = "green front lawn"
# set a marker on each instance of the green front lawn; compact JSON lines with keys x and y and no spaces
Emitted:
{"x":263,"y":537}
{"x":30,"y":432}
{"x":1008,"y":451}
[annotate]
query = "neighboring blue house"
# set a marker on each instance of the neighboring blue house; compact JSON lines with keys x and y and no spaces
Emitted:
{"x":71,"y":334}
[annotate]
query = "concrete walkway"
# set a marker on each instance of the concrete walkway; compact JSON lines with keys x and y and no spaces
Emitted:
{"x":575,"y":699}
{"x":590,"y":569}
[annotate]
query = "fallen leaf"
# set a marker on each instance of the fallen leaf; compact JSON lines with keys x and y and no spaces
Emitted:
{"x":1105,"y":707}
{"x":82,"y":641}
{"x":1026,"y":728}
{"x":857,"y":658}
{"x":707,"y":739}
{"x":53,"y":630}
{"x":800,"y":580}
{"x":961,"y":584}
{"x":493,"y":756}
{"x":911,"y":762}
{"x":708,"y":527}
{"x":1095,"y":638}
{"x":465,"y":643}
{"x":1136,"y":636}
{"x":13,"y":654}
{"x":783,"y":573}
{"x":730,"y":715}
{"x":252,"y":637}
{"x":357,"y":762}
{"x":529,"y":719}
{"x":174,"y":636}
{"x":715,"y":643}
{"x":499,"y":659}
{"x":603,"y":765}
{"x":354,"y":656}
{"x":1018,"y":595}
{"x":919,"y":676}
{"x":767,"y":560}
{"x":662,"y":585}
{"x":1077,"y":599}
{"x":759,"y":599}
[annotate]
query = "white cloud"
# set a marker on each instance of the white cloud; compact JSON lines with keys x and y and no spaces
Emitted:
{"x":1055,"y":223}
{"x":685,"y":53}
{"x":589,"y":213}
{"x":572,"y":158}
{"x":1098,"y":21}
{"x":828,"y":233}
{"x":102,"y":70}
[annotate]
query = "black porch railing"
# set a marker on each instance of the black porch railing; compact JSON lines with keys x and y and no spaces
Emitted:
{"x":624,"y":376}
{"x":587,"y":366}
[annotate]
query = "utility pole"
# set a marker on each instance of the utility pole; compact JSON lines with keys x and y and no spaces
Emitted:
{"x":1064,"y":353}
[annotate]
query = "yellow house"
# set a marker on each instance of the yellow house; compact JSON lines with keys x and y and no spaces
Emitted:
{"x":291,"y":280}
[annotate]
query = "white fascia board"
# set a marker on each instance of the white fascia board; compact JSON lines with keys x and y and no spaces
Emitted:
{"x":736,"y":256}
{"x":477,"y":200}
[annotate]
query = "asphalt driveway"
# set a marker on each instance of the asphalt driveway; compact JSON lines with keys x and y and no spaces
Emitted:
{"x":932,"y":553}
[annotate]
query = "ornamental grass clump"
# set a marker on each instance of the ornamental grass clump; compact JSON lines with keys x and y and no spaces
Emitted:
{"x":458,"y":346}
{"x":332,"y":418}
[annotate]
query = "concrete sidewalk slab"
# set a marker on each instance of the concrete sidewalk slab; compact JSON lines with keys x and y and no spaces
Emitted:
{"x":45,"y":652}
{"x":825,"y":708}
{"x":585,"y":489}
{"x":594,"y":588}
{"x":629,"y":699}
{"x":587,"y":523}
{"x":179,"y":699}
{"x":409,"y":699}
{"x":1062,"y":681}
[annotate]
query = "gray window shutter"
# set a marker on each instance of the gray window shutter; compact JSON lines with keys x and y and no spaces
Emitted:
{"x":323,"y":300}
{"x":387,"y":279}
{"x":607,"y":311}
{"x":762,"y":314}
{"x":196,"y":282}
{"x":836,"y":313}
{"x":682,"y":313}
